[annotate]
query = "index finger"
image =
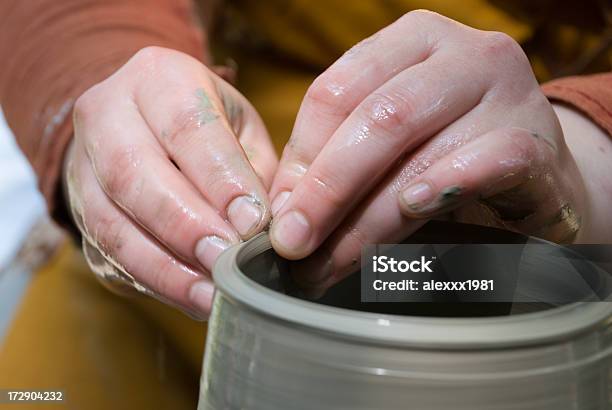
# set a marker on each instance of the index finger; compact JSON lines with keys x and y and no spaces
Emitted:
{"x":188,"y":116}
{"x":346,"y":83}
{"x":395,"y":119}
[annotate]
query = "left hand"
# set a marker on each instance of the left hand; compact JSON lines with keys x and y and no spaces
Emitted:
{"x":427,"y":118}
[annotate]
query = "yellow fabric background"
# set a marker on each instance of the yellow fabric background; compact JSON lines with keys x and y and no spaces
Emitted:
{"x":281,"y":45}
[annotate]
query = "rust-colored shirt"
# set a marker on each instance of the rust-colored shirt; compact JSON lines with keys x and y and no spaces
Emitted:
{"x":51,"y":51}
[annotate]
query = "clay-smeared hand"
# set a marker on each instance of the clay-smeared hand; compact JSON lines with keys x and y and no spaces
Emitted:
{"x":426,"y":118}
{"x":169,"y":166}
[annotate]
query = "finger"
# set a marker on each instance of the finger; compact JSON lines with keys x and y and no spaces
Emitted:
{"x":510,"y":172}
{"x":396,"y":118}
{"x":340,"y":254}
{"x":109,"y":276}
{"x":137,"y":255}
{"x":479,"y":121}
{"x":340,"y":89}
{"x":378,"y":219}
{"x":252,"y":134}
{"x":493,"y":162}
{"x":138,"y":176}
{"x":190,"y":122}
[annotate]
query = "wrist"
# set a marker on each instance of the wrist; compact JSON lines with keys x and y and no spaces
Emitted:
{"x":591,"y":149}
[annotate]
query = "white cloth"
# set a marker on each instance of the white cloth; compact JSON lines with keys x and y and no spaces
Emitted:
{"x":20,"y":207}
{"x":20,"y":202}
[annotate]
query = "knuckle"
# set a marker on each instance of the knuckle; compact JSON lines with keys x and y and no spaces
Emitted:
{"x":176,"y":223}
{"x":221,"y":179}
{"x":184,"y":122}
{"x":160,"y":276}
{"x":421,"y":21}
{"x":422,"y":15}
{"x":361,"y":47}
{"x":326,"y":188}
{"x":86,"y":104}
{"x":296,"y":157}
{"x":116,"y":174}
{"x":329,"y":93}
{"x":389,"y":113}
{"x":525,"y":143}
{"x":154,"y":63}
{"x":151,"y":54}
{"x":498,"y":45}
{"x":294,"y":168}
{"x":108,"y":233}
{"x":538,"y":102}
{"x":356,"y":238}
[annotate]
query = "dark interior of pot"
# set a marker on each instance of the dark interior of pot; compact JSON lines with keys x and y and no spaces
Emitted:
{"x":275,"y":273}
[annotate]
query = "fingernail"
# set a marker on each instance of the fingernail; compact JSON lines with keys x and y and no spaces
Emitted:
{"x":245,"y":214}
{"x":279,"y":201}
{"x":208,"y":249}
{"x":418,"y":195}
{"x":201,"y":295}
{"x":313,"y":270}
{"x":291,"y":231}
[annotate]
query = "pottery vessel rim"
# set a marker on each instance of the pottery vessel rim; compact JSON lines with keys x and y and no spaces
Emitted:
{"x":528,"y":329}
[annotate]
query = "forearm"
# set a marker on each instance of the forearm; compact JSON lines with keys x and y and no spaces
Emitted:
{"x":52,"y":51}
{"x":582,"y":104}
{"x":591,"y":148}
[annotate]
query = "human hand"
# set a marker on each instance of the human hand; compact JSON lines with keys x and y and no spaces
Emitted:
{"x":157,"y":176}
{"x":427,"y":118}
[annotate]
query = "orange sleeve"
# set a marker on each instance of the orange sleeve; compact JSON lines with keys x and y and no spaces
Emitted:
{"x":591,"y":94}
{"x":51,"y":51}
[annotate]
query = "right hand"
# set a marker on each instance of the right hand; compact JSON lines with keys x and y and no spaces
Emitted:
{"x":157,"y":177}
